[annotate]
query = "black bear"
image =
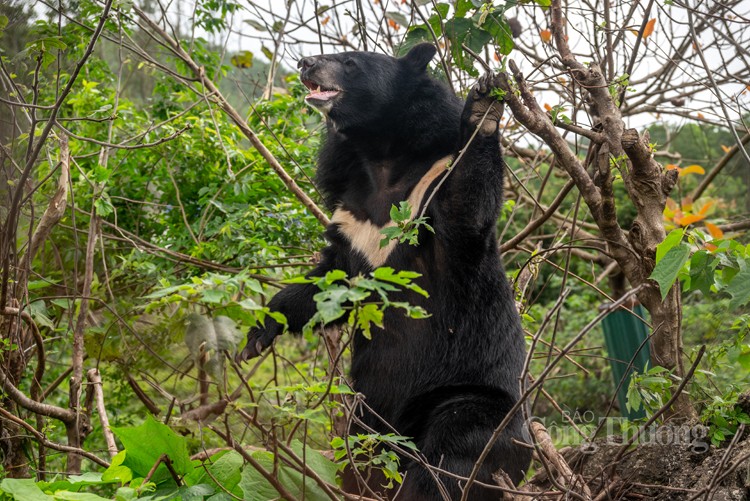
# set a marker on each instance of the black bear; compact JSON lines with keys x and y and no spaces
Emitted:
{"x":396,"y":134}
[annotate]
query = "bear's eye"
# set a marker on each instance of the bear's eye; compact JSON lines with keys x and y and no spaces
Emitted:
{"x":350,"y":63}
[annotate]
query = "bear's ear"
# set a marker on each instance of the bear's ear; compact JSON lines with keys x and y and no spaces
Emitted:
{"x":420,"y":56}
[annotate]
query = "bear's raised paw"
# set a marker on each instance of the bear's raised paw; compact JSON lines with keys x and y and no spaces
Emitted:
{"x":482,"y":107}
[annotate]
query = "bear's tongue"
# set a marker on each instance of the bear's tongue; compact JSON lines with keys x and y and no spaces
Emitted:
{"x":321,"y":95}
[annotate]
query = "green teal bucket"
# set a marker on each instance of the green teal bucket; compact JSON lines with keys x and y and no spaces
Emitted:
{"x":625,"y":338}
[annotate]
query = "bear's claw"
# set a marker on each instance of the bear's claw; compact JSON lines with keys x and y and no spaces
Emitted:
{"x":480,"y":100}
{"x":258,"y":339}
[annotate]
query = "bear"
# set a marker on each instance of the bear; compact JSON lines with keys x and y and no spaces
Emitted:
{"x":393,"y":134}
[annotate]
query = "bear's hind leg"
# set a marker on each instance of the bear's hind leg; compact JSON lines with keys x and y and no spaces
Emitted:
{"x":454,"y":435}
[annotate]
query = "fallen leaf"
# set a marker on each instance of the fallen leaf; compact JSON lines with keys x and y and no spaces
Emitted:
{"x":714,"y":230}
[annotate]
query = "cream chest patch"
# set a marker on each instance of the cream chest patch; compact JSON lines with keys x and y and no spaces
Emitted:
{"x":365,"y":236}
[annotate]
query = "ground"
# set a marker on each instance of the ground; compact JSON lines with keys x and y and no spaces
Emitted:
{"x":665,"y":472}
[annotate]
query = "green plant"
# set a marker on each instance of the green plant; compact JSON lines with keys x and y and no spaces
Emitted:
{"x":373,"y":451}
{"x":155,"y":465}
{"x":406,"y":229}
{"x":649,"y":390}
{"x":724,"y":416}
{"x":364,"y":298}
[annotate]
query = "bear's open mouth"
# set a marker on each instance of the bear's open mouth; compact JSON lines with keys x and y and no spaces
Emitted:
{"x":319,"y":92}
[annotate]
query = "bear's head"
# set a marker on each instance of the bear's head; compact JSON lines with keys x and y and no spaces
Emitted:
{"x":358,"y":89}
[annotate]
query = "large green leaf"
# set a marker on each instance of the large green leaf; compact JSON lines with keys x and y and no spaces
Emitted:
{"x":702,"y":267}
{"x":324,"y":467}
{"x":254,"y":485}
{"x":666,"y":270}
{"x":256,"y":488}
{"x":463,"y":31}
{"x":672,"y":239}
{"x":739,"y":288}
{"x":78,"y":496}
{"x":498,"y":27}
{"x":23,"y":489}
{"x":222,"y":470}
{"x":416,"y":35}
{"x":75,"y":483}
{"x":146,"y":443}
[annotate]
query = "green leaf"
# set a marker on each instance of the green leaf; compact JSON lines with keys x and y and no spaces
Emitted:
{"x":78,"y":496}
{"x":331,"y":302}
{"x":104,"y":205}
{"x":223,"y":469}
{"x":23,"y":489}
{"x":267,"y":52}
{"x":744,"y":358}
{"x":255,"y":24}
{"x":463,"y":31}
{"x":324,"y":467}
{"x":243,"y":59}
{"x":673,"y":238}
{"x":334,"y":276}
{"x":739,"y":288}
{"x":498,"y":27}
{"x":298,"y":280}
{"x":74,"y":482}
{"x":256,"y":488}
{"x":126,"y":494}
{"x":390,"y":233}
{"x":146,"y":443}
{"x":415,"y":35}
{"x":388,"y":274}
{"x":397,"y":17}
{"x":116,"y":471}
{"x":702,"y":267}
{"x":462,"y":7}
{"x":666,"y":270}
{"x":366,"y":316}
{"x":253,"y":484}
{"x":48,"y":43}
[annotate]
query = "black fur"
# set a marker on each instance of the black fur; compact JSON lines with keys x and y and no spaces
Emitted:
{"x":448,"y":380}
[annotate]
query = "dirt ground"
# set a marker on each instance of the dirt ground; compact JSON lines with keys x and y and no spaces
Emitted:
{"x":666,"y":469}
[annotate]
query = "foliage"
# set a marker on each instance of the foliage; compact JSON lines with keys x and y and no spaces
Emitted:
{"x":154,"y":465}
{"x":193,"y":233}
{"x":406,"y":228}
{"x":719,"y":266}
{"x":340,"y":294}
{"x":368,"y":451}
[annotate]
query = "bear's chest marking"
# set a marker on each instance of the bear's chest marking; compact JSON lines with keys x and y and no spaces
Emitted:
{"x":364,"y":236}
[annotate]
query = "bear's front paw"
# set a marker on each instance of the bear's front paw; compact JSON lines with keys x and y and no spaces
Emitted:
{"x":483,"y":109}
{"x":258,"y":339}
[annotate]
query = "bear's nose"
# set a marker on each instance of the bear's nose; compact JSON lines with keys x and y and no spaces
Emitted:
{"x":305,"y":63}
